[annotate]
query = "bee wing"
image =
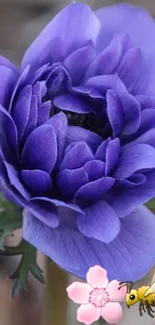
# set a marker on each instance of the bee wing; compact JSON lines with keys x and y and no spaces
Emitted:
{"x":151,"y":289}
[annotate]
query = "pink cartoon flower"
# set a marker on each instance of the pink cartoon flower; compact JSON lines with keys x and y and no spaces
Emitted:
{"x":98,"y":297}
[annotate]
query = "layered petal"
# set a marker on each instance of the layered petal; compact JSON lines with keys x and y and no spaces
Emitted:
{"x":108,"y":60}
{"x":40,"y":150}
{"x":97,"y":277}
{"x":73,"y":103}
{"x":59,"y":124}
{"x":37,"y":181}
{"x":77,"y":156}
{"x":129,"y":19}
{"x":135,"y":22}
{"x":115,"y":113}
{"x":99,"y":222}
{"x":77,"y":63}
{"x":64,"y":27}
{"x":96,"y":189}
{"x":21,"y":111}
{"x":112,"y":155}
{"x":133,"y":159}
{"x":115,"y":294}
{"x":8,"y":129}
{"x":79,"y":292}
{"x":33,"y":117}
{"x":8,"y":64}
{"x":95,"y":169}
{"x":112,"y":313}
{"x":69,"y":181}
{"x":78,"y":134}
{"x":8,"y":78}
{"x":77,"y":253}
{"x":88,"y":314}
{"x":124,"y":199}
{"x":68,"y":206}
{"x":129,"y":68}
{"x":44,"y":212}
{"x":14,"y":178}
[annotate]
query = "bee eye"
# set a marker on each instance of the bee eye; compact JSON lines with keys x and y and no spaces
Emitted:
{"x":132,"y":297}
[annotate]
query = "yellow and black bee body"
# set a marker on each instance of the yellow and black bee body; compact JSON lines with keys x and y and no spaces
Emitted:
{"x":144,"y":295}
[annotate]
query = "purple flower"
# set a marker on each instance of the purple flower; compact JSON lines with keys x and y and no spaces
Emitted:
{"x":82,"y":175}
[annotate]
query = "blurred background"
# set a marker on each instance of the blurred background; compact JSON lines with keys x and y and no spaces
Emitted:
{"x":20,"y":23}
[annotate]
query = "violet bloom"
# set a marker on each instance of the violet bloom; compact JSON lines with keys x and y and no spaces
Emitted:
{"x":77,"y":142}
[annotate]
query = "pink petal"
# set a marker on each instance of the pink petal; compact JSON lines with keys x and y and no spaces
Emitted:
{"x":97,"y":277}
{"x":112,"y":312}
{"x":79,"y":292}
{"x":88,"y":314}
{"x":114,"y":293}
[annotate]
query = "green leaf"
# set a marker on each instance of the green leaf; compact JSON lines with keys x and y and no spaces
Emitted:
{"x":101,"y":321}
{"x":151,"y":204}
{"x":27,"y":264}
{"x":10,"y":219}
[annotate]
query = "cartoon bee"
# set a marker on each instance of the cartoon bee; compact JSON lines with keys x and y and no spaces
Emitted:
{"x":144,"y":295}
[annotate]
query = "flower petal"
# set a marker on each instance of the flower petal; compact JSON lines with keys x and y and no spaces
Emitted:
{"x":57,"y":203}
{"x":65,"y":27}
{"x":114,"y":112}
{"x":40,"y":90}
{"x":112,"y":313}
{"x":99,"y":222}
{"x":44,"y":212}
{"x":103,"y":83}
{"x":112,"y":155}
{"x":129,"y":19}
{"x":95,"y":169}
{"x":21,"y":110}
{"x":130,"y":198}
{"x":134,"y":159}
{"x":11,"y":194}
{"x":8,"y":128}
{"x":33,"y":116}
{"x":78,"y":61}
{"x":78,"y":134}
{"x":8,"y":79}
{"x":77,"y":156}
{"x":129,"y":68}
{"x":73,"y":103}
{"x":88,"y":314}
{"x":132,"y":111}
{"x":69,"y":181}
{"x":135,"y":22}
{"x":108,"y":60}
{"x":97,"y":277}
{"x":14,"y":178}
{"x":44,"y":112}
{"x":132,"y":181}
{"x":147,"y":121}
{"x":59,"y":124}
{"x":21,"y":82}
{"x":8,"y":64}
{"x":96,"y":189}
{"x":37,"y":181}
{"x":101,"y":150}
{"x":40,"y":150}
{"x":79,"y":292}
{"x":77,"y":253}
{"x":116,"y":295}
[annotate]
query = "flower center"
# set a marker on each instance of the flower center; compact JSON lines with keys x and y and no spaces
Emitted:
{"x":91,"y":122}
{"x":99,"y":297}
